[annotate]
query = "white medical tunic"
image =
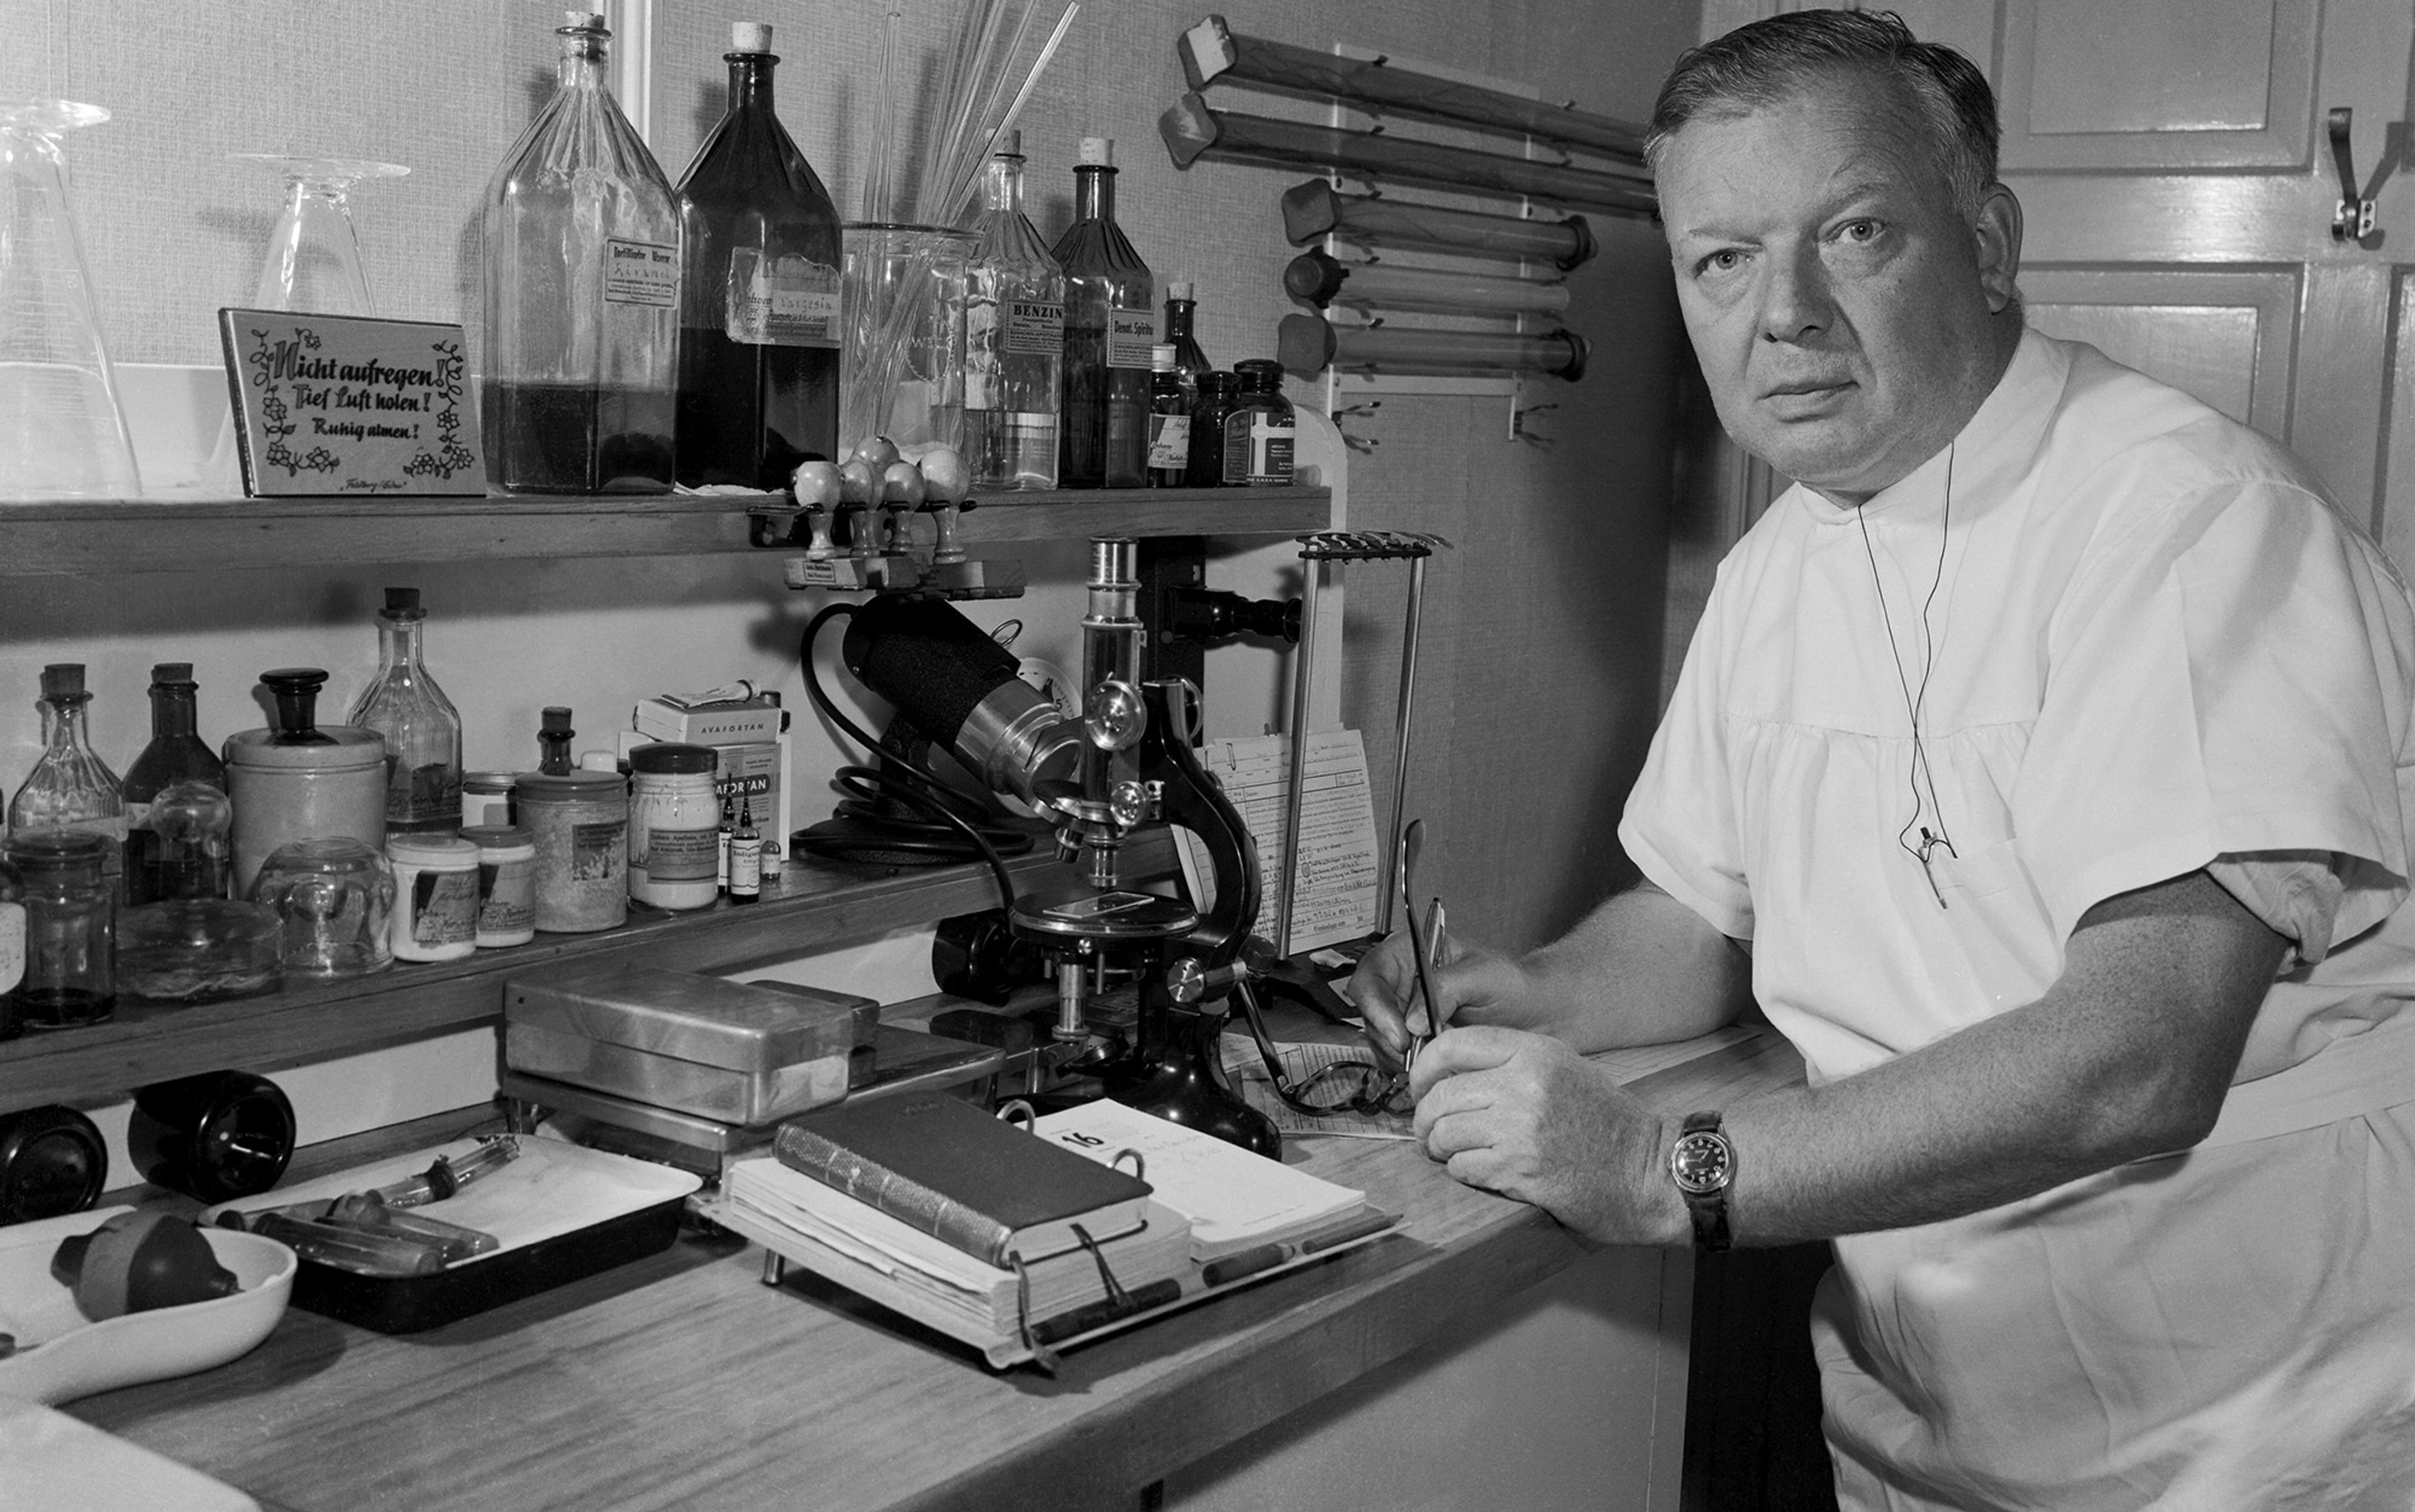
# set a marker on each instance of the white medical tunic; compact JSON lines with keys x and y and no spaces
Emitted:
{"x":2140,"y":641}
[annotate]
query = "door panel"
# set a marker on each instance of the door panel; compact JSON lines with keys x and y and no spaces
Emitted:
{"x":2151,"y":84}
{"x":2223,"y":335}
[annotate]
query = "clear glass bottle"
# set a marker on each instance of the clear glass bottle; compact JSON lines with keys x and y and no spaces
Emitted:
{"x":70,"y":788}
{"x":759,"y":324}
{"x":579,"y":360}
{"x":423,"y":732}
{"x":1110,"y":325}
{"x":1169,"y":421}
{"x":1015,"y":338}
{"x":1180,"y":310}
{"x":177,"y":754}
{"x":12,"y":944}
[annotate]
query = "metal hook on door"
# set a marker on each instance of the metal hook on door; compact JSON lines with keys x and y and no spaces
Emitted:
{"x":2353,"y":218}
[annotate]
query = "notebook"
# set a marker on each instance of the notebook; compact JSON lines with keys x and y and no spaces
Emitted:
{"x":946,"y":1169}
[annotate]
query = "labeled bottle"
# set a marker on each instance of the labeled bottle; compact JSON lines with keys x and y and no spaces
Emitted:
{"x":70,"y":788}
{"x":1015,"y":338}
{"x":579,"y":361}
{"x":1169,"y":421}
{"x":423,"y":732}
{"x":553,"y":738}
{"x":674,"y":826}
{"x":746,"y":859}
{"x":1215,"y":392}
{"x":1180,"y":310}
{"x":177,"y":754}
{"x":760,"y":317}
{"x":1110,"y":325}
{"x":1260,"y":427}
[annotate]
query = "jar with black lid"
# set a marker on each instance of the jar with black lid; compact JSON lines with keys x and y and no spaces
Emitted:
{"x":1259,"y":428}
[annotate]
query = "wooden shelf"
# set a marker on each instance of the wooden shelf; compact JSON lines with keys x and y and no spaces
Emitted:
{"x":85,"y":537}
{"x":819,"y":905}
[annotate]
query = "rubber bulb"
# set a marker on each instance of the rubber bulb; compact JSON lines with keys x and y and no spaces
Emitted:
{"x":139,"y":1261}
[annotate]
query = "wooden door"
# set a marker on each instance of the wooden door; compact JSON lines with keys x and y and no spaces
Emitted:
{"x":2174,"y":162}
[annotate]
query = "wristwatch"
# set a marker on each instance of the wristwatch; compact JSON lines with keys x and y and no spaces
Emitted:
{"x":1703,"y":1163}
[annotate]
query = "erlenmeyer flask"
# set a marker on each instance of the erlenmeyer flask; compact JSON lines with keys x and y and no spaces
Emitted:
{"x":61,"y":432}
{"x":313,"y":263}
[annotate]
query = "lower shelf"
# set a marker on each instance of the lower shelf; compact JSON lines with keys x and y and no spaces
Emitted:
{"x":818,"y":905}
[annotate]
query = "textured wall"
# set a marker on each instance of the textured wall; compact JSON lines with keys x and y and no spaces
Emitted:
{"x":1541,"y":657}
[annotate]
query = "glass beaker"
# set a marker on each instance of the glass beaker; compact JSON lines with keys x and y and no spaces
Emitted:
{"x":902,"y":365}
{"x":313,"y":263}
{"x":62,"y":431}
{"x":333,"y":894}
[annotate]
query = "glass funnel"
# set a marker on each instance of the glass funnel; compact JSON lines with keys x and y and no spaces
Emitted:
{"x":61,"y":432}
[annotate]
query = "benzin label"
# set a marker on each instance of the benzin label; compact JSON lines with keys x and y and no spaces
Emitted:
{"x":640,"y":273}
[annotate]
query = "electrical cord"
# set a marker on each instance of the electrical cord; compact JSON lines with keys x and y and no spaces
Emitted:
{"x":866,"y":826}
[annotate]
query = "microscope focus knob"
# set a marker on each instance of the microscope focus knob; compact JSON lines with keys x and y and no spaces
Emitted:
{"x":1117,"y":718}
{"x":1129,"y":802}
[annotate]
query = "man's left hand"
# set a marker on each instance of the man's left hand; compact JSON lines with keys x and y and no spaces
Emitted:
{"x":1527,"y":1116}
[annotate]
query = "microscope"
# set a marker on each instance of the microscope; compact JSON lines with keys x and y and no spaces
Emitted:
{"x":1125,"y":762}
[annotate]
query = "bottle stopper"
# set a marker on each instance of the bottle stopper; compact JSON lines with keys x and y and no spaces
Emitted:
{"x":1098,"y":152}
{"x":750,"y":37}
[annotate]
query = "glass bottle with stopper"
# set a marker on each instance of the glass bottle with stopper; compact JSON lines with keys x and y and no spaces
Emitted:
{"x":422,"y":730}
{"x":72,"y":787}
{"x":177,"y":754}
{"x":1110,"y":325}
{"x":580,"y":367}
{"x":553,"y":738}
{"x":759,"y":329}
{"x":1181,"y":311}
{"x":1015,"y":337}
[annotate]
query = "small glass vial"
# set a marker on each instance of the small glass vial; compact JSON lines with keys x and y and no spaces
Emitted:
{"x":1259,"y":428}
{"x":578,"y":822}
{"x":506,"y":884}
{"x":674,"y":826}
{"x":1206,"y":470}
{"x":746,"y":858}
{"x":1169,"y":420}
{"x":70,"y":974}
{"x":435,"y":913}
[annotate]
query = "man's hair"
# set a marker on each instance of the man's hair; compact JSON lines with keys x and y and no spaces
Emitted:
{"x":1759,"y":64}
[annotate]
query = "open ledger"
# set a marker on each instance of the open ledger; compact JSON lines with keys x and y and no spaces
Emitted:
{"x":1217,"y":1217}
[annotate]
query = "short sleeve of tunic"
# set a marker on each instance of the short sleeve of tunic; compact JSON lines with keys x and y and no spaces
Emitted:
{"x":1680,"y":824}
{"x":2227,"y":674}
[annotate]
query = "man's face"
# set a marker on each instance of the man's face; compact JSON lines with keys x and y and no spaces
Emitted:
{"x":1842,"y":310}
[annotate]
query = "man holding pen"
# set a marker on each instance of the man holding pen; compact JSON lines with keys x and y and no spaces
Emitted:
{"x":2042,"y":768}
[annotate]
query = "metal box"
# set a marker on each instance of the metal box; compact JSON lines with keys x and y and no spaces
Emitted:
{"x":728,"y":1051}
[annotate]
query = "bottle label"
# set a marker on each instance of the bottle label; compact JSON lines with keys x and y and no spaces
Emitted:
{"x":1169,"y":440}
{"x":781,"y":301}
{"x":12,"y":946}
{"x":506,"y":896}
{"x":746,"y":867}
{"x":1130,"y":335}
{"x":1270,"y":441}
{"x":640,"y":273}
{"x":599,"y":852}
{"x":429,"y":794}
{"x":1034,"y":328}
{"x":680,"y":855}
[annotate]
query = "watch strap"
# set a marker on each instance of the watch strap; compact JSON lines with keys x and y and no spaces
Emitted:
{"x":1708,"y":1207}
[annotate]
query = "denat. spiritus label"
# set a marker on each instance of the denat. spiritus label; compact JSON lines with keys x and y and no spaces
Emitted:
{"x":1130,"y":335}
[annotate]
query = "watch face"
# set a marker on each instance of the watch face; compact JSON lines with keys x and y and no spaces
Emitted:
{"x":1701,"y":1163}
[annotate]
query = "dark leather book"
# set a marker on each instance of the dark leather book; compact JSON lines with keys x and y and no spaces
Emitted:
{"x":953,"y":1172}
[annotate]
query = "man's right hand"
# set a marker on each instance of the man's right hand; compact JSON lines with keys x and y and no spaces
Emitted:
{"x":1474,"y":986}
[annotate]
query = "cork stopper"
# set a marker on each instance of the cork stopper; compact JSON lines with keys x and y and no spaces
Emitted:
{"x":1011,"y":145}
{"x":1098,"y":152}
{"x":1178,"y":289}
{"x":402,"y":604}
{"x":750,"y":37}
{"x":62,"y":679}
{"x":172,"y":672}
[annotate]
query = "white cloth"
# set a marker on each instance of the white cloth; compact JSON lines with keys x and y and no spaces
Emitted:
{"x":2141,"y":642}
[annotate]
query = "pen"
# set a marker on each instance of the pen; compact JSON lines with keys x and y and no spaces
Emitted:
{"x":1425,"y":951}
{"x":1242,"y":1263}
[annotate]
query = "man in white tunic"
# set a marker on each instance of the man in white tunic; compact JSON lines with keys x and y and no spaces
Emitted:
{"x":2042,"y":768}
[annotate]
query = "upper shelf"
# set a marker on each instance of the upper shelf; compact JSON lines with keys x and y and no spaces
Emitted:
{"x":79,"y":537}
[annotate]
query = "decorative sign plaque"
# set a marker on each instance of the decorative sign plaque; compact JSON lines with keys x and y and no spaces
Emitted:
{"x":330,"y":404}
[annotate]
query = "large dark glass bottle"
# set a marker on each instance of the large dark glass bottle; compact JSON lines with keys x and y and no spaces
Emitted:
{"x":1188,"y":359}
{"x":760,"y":319}
{"x":579,"y":361}
{"x":1110,"y":325}
{"x":177,"y":754}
